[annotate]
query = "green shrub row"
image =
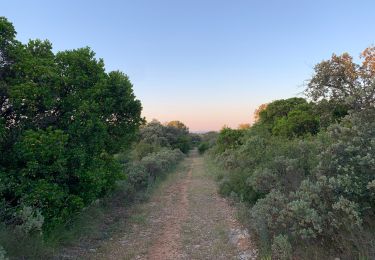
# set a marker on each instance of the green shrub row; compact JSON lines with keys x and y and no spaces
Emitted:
{"x":307,"y":170}
{"x":143,"y":173}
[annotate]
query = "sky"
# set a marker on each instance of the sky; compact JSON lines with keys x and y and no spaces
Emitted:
{"x":207,"y":63}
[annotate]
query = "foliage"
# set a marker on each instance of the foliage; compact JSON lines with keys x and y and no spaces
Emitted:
{"x":228,"y":139}
{"x":207,"y":141}
{"x":315,"y":190}
{"x":297,"y":123}
{"x":258,"y":110}
{"x":62,"y":120}
{"x":154,"y":135}
{"x":306,"y":170}
{"x":244,"y":126}
{"x":67,"y":138}
{"x":3,"y":253}
{"x":31,"y":220}
{"x":278,"y":109}
{"x":178,"y":136}
{"x":210,"y":138}
{"x":203,"y":147}
{"x":289,"y":117}
{"x":281,"y":248}
{"x":157,"y":150}
{"x":342,"y":80}
{"x":195,"y":138}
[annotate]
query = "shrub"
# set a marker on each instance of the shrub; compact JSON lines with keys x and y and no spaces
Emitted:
{"x":265,"y":214}
{"x":154,"y":135}
{"x":308,"y":190}
{"x":228,"y":139}
{"x":281,"y":248}
{"x":203,"y":147}
{"x":31,"y":220}
{"x":3,"y":253}
{"x":142,"y":173}
{"x":137,"y":175}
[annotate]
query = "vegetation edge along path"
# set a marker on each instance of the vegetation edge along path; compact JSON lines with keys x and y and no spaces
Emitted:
{"x":184,"y":218}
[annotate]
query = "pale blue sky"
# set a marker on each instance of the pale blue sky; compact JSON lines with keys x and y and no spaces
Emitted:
{"x":205,"y":62}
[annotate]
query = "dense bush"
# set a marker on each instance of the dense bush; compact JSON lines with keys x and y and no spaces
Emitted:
{"x":229,"y":139}
{"x":281,"y":248}
{"x":306,"y":170}
{"x":63,"y":117}
{"x":157,"y":150}
{"x":206,"y":141}
{"x":203,"y":147}
{"x":141,"y":174}
{"x":154,"y":135}
{"x":3,"y":253}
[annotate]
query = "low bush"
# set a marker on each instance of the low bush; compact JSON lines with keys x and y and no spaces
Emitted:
{"x":3,"y":253}
{"x":312,"y":194}
{"x":281,"y":248}
{"x":203,"y":147}
{"x":140,"y":173}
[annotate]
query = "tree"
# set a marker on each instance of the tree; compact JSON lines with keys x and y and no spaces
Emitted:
{"x":341,"y":80}
{"x":244,"y":126}
{"x":297,"y":123}
{"x":258,"y":110}
{"x":62,"y":120}
{"x":178,"y":135}
{"x":7,"y":43}
{"x":229,"y":139}
{"x":154,"y":135}
{"x":178,"y":125}
{"x":289,"y":117}
{"x":277,"y":109}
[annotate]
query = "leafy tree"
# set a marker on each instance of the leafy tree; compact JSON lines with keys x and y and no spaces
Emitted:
{"x":62,"y":120}
{"x":7,"y":46}
{"x":278,"y":109}
{"x":178,"y":125}
{"x":244,"y":126}
{"x":329,"y":112}
{"x":154,"y":135}
{"x":210,"y":137}
{"x":228,"y":139}
{"x":203,"y":147}
{"x":178,"y":135}
{"x":154,"y":132}
{"x":258,"y":110}
{"x":342,"y":80}
{"x":289,"y":118}
{"x":298,"y":123}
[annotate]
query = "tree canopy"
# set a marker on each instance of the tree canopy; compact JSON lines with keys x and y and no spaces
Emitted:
{"x":62,"y":119}
{"x":342,"y":80}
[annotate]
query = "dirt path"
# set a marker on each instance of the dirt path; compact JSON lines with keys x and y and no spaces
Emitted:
{"x":168,"y":244}
{"x":184,"y":219}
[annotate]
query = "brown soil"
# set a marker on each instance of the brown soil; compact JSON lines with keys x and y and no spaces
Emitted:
{"x":168,"y":245}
